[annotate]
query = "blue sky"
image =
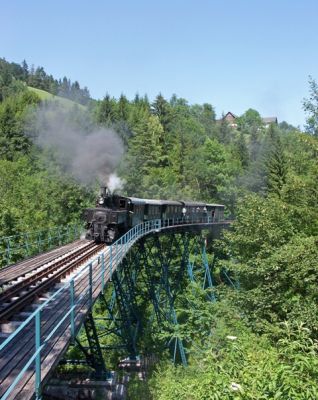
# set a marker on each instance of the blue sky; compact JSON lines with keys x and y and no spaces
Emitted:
{"x":233,"y":54}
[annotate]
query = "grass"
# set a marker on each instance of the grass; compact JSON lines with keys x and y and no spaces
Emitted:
{"x":48,"y":96}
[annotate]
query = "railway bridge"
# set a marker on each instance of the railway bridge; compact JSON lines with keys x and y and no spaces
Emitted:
{"x":46,"y":300}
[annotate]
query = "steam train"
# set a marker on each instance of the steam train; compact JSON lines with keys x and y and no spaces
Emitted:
{"x":114,"y":215}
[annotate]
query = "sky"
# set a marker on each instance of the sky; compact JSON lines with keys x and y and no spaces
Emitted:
{"x":234,"y":54}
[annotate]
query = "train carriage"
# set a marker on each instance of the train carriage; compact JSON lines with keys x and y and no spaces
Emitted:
{"x":114,"y":215}
{"x":194,"y":210}
{"x":215,"y":211}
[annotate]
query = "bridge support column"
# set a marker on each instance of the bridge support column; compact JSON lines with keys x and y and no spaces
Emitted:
{"x":93,"y":354}
{"x":144,"y":297}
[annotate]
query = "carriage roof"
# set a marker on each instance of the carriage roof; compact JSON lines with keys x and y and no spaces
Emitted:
{"x":193,"y":203}
{"x":136,"y":200}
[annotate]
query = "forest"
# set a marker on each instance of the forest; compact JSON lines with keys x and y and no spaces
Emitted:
{"x":259,"y":339}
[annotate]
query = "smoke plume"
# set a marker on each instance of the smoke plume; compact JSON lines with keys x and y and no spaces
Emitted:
{"x":87,"y":152}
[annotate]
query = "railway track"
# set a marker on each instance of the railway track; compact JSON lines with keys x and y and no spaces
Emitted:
{"x":10,"y":273}
{"x":32,"y":283}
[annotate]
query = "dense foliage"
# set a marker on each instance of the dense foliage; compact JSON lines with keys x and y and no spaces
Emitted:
{"x":258,"y":342}
{"x":14,"y":77}
{"x":230,"y":361}
{"x":34,"y":193}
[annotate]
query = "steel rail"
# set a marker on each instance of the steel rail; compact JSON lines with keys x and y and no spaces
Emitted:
{"x":21,"y":268}
{"x":26,"y":299}
{"x":15,"y":289}
{"x":33,"y":370}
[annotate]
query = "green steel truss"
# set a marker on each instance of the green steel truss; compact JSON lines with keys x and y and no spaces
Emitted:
{"x":93,"y":354}
{"x":153,"y":274}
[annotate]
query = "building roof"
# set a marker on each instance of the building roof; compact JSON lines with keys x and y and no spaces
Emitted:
{"x":270,"y":120}
{"x":266,"y":120}
{"x":229,"y":113}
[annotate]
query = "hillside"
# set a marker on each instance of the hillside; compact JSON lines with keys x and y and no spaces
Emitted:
{"x":48,"y":96}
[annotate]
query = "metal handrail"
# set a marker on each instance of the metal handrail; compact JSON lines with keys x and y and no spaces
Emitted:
{"x":116,"y":252}
{"x":30,"y":243}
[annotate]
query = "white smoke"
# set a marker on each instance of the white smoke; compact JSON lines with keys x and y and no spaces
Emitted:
{"x":114,"y":182}
{"x":87,"y":152}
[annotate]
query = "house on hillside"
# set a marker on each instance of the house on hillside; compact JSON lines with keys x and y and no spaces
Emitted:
{"x":269,"y":120}
{"x":230,"y":118}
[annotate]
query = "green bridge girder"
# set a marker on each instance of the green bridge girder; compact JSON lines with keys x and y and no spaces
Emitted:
{"x":154,"y":271}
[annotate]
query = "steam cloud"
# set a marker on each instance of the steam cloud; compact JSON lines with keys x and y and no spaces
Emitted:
{"x":83,"y":150}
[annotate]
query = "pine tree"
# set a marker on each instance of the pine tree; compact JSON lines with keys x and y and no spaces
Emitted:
{"x":276,"y":165}
{"x":144,"y":155}
{"x":162,"y":109}
{"x":123,"y":108}
{"x":242,"y":150}
{"x":106,"y":112}
{"x":25,"y":70}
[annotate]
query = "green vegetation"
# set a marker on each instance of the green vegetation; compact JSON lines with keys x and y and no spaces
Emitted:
{"x":258,"y":342}
{"x":67,"y":103}
{"x":14,"y":76}
{"x":34,"y":192}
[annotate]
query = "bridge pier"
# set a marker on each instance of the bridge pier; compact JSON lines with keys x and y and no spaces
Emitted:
{"x":93,"y":354}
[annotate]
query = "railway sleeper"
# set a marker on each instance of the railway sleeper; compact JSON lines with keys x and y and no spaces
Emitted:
{"x":3,"y":336}
{"x":23,"y":315}
{"x":10,"y":326}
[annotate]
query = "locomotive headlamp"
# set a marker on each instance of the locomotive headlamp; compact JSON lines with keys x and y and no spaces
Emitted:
{"x":101,"y":200}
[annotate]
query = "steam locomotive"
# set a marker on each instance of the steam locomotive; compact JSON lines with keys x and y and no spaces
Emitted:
{"x":114,"y":215}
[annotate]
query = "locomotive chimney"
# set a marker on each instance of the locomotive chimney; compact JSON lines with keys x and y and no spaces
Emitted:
{"x":103,"y":191}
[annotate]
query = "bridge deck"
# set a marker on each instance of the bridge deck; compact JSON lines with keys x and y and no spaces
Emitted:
{"x":12,"y":271}
{"x":62,"y":312}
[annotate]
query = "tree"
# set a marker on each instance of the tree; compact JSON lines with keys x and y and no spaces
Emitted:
{"x":5,"y":81}
{"x":286,"y":127}
{"x":162,"y":109}
{"x":123,"y":108}
{"x":205,"y":114}
{"x":106,"y":112}
{"x":310,"y":106}
{"x":242,"y":150}
{"x":276,"y":164}
{"x":223,"y":131}
{"x":13,"y":116}
{"x":141,"y":167}
{"x":25,"y":69}
{"x":249,"y":121}
{"x":215,"y":171}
